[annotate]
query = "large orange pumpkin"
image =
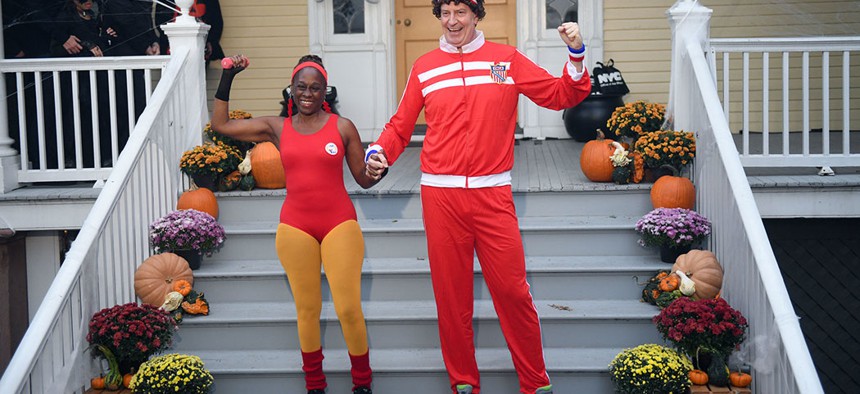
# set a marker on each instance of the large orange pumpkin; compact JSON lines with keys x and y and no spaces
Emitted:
{"x":201,"y":199}
{"x":703,"y":268}
{"x":673,"y":191}
{"x":266,"y":166}
{"x":594,"y":159}
{"x":155,"y":276}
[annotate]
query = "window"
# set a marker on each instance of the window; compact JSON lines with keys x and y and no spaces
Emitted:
{"x":348,"y":16}
{"x":560,"y":11}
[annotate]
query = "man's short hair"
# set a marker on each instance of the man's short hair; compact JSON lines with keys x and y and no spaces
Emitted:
{"x":477,"y":6}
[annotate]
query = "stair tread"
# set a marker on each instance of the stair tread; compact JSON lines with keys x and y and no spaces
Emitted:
{"x":417,"y":224}
{"x":282,"y":312}
{"x":400,"y":360}
{"x":406,"y":265}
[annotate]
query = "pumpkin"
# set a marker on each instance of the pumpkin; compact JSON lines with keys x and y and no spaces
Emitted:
{"x":594,"y":160}
{"x":182,"y":287}
{"x":229,"y":181}
{"x":703,"y":268}
{"x":266,"y":166}
{"x":98,"y":383}
{"x":673,"y":191}
{"x":201,"y":199}
{"x":740,"y":379}
{"x":126,"y":380}
{"x":156,"y":275}
{"x":697,"y":376}
{"x":247,"y":183}
{"x":670,"y":283}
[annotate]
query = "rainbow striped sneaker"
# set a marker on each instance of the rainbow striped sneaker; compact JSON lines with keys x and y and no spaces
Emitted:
{"x":544,"y":390}
{"x":464,"y":389}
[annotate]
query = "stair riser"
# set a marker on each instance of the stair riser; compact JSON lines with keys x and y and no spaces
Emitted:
{"x":407,"y":333}
{"x":410,"y":382}
{"x":235,"y":209}
{"x":394,"y":287}
{"x":563,"y":242}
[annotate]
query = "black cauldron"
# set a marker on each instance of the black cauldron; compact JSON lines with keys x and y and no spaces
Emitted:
{"x":591,"y":114}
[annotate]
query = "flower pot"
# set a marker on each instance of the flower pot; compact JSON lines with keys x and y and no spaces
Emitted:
{"x":193,"y":257}
{"x":582,"y":121}
{"x":668,"y":254}
{"x":207,"y":181}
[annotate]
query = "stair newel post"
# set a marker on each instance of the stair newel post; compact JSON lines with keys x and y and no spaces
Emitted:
{"x":690,"y":22}
{"x":9,"y":159}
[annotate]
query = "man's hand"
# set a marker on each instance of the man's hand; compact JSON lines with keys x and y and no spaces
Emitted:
{"x":570,"y":34}
{"x":153,"y":49}
{"x":376,"y":165}
{"x":73,"y":45}
{"x":96,"y":51}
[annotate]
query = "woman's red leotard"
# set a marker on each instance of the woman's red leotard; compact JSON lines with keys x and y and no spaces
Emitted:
{"x":316,"y":198}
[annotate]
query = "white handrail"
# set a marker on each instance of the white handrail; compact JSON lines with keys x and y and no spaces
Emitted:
{"x":752,"y":282}
{"x":112,"y":241}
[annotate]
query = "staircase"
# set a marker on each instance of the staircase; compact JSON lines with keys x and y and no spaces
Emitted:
{"x":583,"y":266}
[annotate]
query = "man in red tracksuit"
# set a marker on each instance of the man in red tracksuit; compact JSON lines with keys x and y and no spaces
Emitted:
{"x":469,"y":88}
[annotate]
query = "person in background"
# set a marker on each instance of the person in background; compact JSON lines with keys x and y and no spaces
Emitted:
{"x":77,"y":31}
{"x":318,"y":223}
{"x":468,"y":89}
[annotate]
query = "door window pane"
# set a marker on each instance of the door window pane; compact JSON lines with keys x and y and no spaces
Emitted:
{"x":559,"y":11}
{"x":348,"y":16}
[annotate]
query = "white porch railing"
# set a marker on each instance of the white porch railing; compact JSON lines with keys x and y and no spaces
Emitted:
{"x":74,"y":114}
{"x":778,"y":354}
{"x":98,"y":270}
{"x":810,"y":102}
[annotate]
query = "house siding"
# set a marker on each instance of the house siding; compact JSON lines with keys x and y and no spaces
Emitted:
{"x":639,"y":40}
{"x":274,"y":35}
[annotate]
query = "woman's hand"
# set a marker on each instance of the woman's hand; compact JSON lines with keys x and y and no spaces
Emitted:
{"x":73,"y":45}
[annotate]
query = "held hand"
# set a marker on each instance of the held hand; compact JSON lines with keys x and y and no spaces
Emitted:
{"x":97,"y":52}
{"x":570,"y":34}
{"x":376,"y":165}
{"x":153,"y":49}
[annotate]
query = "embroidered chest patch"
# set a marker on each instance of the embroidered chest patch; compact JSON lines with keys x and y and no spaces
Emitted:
{"x":499,"y":72}
{"x":331,"y":148}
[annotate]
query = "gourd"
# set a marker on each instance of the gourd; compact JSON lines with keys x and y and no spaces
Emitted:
{"x":594,"y":159}
{"x":266,"y":166}
{"x":697,"y":376}
{"x":126,"y":380}
{"x":740,"y":379}
{"x":718,"y":372}
{"x":155,"y":276}
{"x":673,"y":191}
{"x":687,"y":287}
{"x":702,"y":267}
{"x":247,"y":183}
{"x":245,"y":165}
{"x":670,"y":283}
{"x":113,"y":380}
{"x":172,"y":301}
{"x":199,"y":307}
{"x":98,"y":383}
{"x":229,"y":181}
{"x":201,"y":199}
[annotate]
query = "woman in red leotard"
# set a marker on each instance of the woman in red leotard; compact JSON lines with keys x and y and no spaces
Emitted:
{"x":317,"y":223}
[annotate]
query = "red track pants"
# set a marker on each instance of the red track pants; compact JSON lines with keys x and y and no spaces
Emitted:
{"x":459,"y":223}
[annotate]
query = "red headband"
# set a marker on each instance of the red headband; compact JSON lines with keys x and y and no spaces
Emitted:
{"x":309,"y":64}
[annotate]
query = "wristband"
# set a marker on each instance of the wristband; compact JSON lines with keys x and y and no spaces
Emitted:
{"x":579,"y":51}
{"x":373,"y":149}
{"x":577,"y":59}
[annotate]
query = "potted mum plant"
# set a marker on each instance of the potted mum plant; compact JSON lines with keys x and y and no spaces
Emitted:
{"x":650,"y":369}
{"x":674,"y":230}
{"x":188,"y":233}
{"x":159,"y":376}
{"x":207,"y":163}
{"x":666,"y":148}
{"x":635,"y":119}
{"x":704,"y":329}
{"x":127,"y":335}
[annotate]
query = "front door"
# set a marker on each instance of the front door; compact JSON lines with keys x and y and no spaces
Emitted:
{"x":417,"y":31}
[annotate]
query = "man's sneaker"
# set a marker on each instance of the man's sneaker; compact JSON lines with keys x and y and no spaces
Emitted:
{"x":362,"y":390}
{"x":544,"y":390}
{"x":316,"y":391}
{"x":464,"y":389}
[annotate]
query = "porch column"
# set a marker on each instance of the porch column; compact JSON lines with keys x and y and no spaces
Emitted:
{"x":188,"y":34}
{"x":690,"y":23}
{"x":9,"y":160}
{"x":14,"y":317}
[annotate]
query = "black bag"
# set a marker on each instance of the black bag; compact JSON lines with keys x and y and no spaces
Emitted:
{"x":608,"y":80}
